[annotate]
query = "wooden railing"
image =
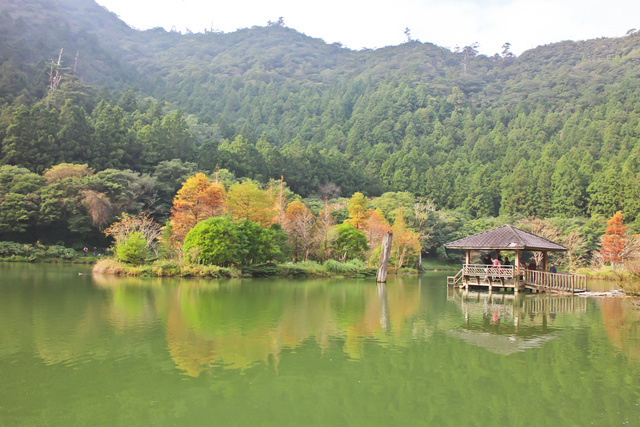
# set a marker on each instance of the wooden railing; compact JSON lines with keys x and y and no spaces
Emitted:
{"x":560,"y":281}
{"x":505,"y":271}
{"x":454,"y":280}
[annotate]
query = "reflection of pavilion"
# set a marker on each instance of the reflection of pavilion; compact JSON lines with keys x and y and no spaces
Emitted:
{"x":508,"y":323}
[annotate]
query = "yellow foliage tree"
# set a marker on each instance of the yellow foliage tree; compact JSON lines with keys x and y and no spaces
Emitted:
{"x":357,"y":211}
{"x":405,"y":242}
{"x":248,"y":201}
{"x":66,"y":170}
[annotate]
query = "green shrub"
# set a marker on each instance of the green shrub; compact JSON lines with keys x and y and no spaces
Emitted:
{"x":292,"y":271}
{"x":8,"y":249}
{"x":133,"y":250}
{"x":333,"y":266}
{"x":350,"y":268}
{"x":222,"y":241}
{"x":57,"y":251}
{"x":25,"y":252}
{"x":351,"y":243}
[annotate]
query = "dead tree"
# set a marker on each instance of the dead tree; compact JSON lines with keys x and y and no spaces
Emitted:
{"x":385,"y":254}
{"x":55,"y":76}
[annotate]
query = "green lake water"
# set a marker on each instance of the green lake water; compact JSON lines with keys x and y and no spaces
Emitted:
{"x":82,"y":350}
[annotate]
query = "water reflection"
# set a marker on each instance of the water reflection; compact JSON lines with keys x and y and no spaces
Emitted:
{"x":505,"y":323}
{"x":83,"y":350}
{"x":237,"y":324}
{"x":622,"y":324}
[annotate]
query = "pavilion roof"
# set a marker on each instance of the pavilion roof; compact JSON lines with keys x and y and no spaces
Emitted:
{"x":505,"y":237}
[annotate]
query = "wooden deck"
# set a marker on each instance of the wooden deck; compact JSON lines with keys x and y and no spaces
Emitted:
{"x":507,"y":277}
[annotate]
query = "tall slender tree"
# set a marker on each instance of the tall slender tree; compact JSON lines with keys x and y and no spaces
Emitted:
{"x":614,"y":241}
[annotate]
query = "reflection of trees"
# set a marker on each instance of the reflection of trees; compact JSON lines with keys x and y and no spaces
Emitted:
{"x":232,"y":324}
{"x":60,"y":323}
{"x":190,"y":351}
{"x":131,"y":300}
{"x":239,"y":326}
{"x":622,"y":323}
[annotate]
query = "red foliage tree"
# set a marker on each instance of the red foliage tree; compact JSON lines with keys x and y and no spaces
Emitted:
{"x":614,"y":240}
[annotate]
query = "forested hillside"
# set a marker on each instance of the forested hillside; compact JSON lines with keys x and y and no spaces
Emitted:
{"x":553,"y":132}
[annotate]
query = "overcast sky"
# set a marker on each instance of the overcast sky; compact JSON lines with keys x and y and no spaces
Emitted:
{"x":372,"y":24}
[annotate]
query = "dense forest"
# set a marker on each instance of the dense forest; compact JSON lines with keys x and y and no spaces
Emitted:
{"x":551,"y":133}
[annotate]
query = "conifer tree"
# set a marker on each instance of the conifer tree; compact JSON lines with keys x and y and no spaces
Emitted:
{"x":197,"y":200}
{"x":248,"y":201}
{"x":614,"y":241}
{"x":357,"y":211}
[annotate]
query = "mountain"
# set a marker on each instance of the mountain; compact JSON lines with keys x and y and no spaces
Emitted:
{"x":554,"y":131}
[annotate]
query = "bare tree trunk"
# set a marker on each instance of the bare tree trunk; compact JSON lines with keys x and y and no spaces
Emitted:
{"x":385,"y":254}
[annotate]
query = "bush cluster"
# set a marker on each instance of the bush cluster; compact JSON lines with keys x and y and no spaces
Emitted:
{"x":26,"y":252}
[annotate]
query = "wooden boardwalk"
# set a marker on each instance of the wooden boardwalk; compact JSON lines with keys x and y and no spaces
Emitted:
{"x":506,"y":277}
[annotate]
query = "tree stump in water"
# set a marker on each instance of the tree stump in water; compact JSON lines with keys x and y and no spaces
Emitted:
{"x":385,"y":254}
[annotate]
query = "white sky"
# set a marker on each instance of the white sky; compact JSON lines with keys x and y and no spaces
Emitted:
{"x":373,"y":24}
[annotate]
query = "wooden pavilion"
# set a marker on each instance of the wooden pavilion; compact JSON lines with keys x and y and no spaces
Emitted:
{"x":516,"y":276}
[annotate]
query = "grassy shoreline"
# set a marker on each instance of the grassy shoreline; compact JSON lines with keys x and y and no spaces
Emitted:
{"x":289,"y":270}
{"x":607,"y":273}
{"x":627,"y":281}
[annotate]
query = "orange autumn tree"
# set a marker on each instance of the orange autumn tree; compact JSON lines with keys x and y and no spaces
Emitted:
{"x":614,"y":240}
{"x":406,"y":243}
{"x":298,"y":224}
{"x":197,"y":200}
{"x":377,"y":228}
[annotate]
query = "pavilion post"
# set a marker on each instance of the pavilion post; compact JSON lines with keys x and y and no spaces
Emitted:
{"x":468,"y":257}
{"x":545,"y":260}
{"x":516,"y":271}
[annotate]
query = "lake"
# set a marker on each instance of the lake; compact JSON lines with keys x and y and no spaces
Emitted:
{"x":82,"y":350}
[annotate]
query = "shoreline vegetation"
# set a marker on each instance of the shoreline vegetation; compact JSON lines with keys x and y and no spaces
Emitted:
{"x":24,"y":253}
{"x":306,"y":269}
{"x":628,"y":281}
{"x":38,"y":253}
{"x":311,"y":269}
